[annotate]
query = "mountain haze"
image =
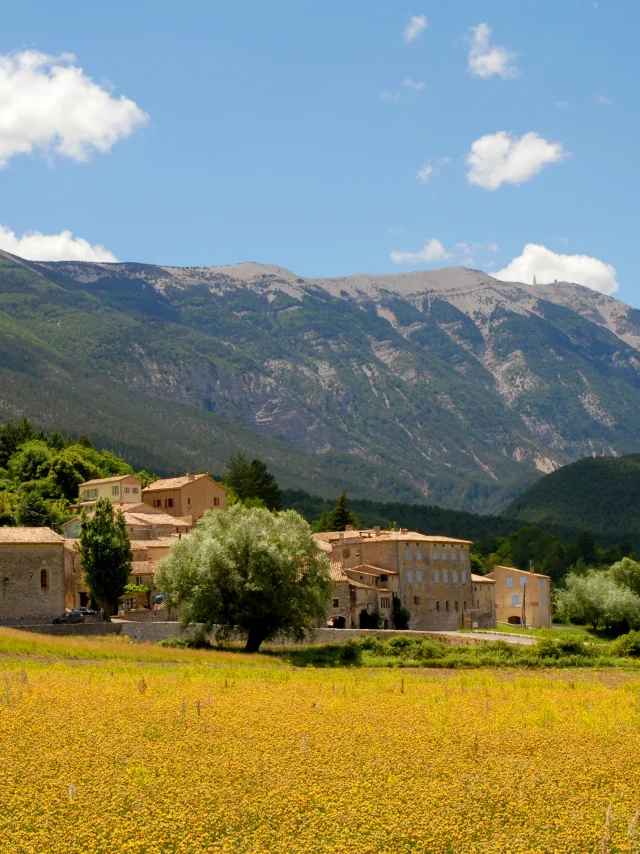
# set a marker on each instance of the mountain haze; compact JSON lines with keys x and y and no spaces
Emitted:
{"x":445,"y":386}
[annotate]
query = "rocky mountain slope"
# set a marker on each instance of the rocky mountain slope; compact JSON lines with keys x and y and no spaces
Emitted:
{"x":445,"y":385}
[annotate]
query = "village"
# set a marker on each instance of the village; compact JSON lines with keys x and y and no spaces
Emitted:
{"x":377,"y":576}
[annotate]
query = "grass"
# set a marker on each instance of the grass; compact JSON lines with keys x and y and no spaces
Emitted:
{"x":586,"y":633}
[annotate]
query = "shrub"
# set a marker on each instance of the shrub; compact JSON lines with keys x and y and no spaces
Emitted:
{"x":626,"y":645}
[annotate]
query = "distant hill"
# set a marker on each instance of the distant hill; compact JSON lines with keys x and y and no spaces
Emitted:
{"x":442,"y":387}
{"x":596,"y":494}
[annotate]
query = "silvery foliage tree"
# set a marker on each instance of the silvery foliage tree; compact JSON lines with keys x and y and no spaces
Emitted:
{"x":599,"y":598}
{"x":248,"y":570}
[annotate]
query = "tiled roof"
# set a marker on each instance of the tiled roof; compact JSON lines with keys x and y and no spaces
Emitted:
{"x":143,"y":567}
{"x":373,"y":570}
{"x":176,"y":482}
{"x":360,"y":571}
{"x":360,"y":585}
{"x":28,"y":536}
{"x":352,"y":537}
{"x":336,"y":571}
{"x":115,"y":479}
{"x":482,"y":579}
{"x":144,"y":520}
{"x":521,"y":571}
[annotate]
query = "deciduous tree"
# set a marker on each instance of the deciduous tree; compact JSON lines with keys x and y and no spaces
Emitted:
{"x":105,"y":552}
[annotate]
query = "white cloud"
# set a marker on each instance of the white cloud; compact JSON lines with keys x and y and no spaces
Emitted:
{"x":501,"y":158}
{"x":485,"y":59}
{"x":35,"y":246}
{"x":416,"y":25}
{"x":425,"y":173}
{"x":561,"y":105}
{"x":394,"y":229}
{"x":548,"y":266}
{"x":444,"y":161}
{"x":49,"y":104}
{"x":602,"y":101}
{"x":389,"y":96}
{"x":418,"y":85}
{"x":433,"y":250}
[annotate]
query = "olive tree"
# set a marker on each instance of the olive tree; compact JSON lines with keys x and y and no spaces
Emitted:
{"x":598,"y":599}
{"x":251,"y":571}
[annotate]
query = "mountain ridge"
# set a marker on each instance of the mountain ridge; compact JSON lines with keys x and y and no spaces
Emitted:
{"x":459,"y":385}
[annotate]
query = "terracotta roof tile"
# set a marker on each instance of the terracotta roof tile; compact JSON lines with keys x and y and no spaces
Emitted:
{"x":29,"y":536}
{"x":176,"y":482}
{"x":115,"y":479}
{"x":482,"y":579}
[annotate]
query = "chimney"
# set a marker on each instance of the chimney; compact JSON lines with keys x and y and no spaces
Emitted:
{"x":376,"y":530}
{"x":404,"y":530}
{"x":191,"y":476}
{"x":348,"y":527}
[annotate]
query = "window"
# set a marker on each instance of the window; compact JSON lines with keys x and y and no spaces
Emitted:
{"x":454,"y":576}
{"x":509,"y":581}
{"x":436,"y":576}
{"x":168,"y":502}
{"x":408,"y":555}
{"x":115,"y":490}
{"x":336,"y":603}
{"x":346,"y":553}
{"x":457,"y":607}
{"x":447,"y":605}
{"x":544,"y":599}
{"x":188,"y":502}
{"x":523,"y":581}
{"x":445,"y":576}
{"x":436,"y":556}
{"x":384,"y":578}
{"x":463,"y":557}
{"x":541,"y":583}
{"x":216,"y":502}
{"x":454,"y":556}
{"x":419,"y":576}
{"x":126,"y":490}
{"x":464,"y":577}
{"x":418,"y":555}
{"x":385,"y":602}
{"x":410,"y":576}
{"x":134,"y":490}
{"x":437,"y":605}
{"x":416,"y":600}
{"x":138,"y":579}
{"x":44,"y":579}
{"x":516,"y":600}
{"x":443,"y":556}
{"x":157,"y":502}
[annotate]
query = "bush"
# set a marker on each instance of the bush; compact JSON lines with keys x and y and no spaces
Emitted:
{"x":626,"y":645}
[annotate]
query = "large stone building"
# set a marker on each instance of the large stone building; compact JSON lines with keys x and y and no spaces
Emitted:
{"x":186,"y":496}
{"x":32,"y":575}
{"x":522,"y":598}
{"x":430,"y":576}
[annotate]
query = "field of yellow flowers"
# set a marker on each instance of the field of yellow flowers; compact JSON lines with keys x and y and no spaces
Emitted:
{"x":217,"y":753}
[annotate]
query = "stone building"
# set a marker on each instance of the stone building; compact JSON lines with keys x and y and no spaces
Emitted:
{"x":484,"y":602}
{"x":32,"y":575}
{"x":429,"y":575}
{"x":186,"y":496}
{"x":122,"y":489}
{"x":522,"y":598}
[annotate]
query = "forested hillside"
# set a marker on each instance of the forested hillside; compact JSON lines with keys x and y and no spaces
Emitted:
{"x":442,"y":387}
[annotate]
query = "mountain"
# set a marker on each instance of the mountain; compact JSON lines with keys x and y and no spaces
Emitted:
{"x":600,"y":495}
{"x":443,"y":386}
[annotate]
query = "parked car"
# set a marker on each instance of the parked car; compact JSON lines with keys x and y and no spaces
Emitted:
{"x":74,"y":616}
{"x":88,"y":612}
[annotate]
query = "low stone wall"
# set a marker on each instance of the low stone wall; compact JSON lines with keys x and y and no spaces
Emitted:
{"x":151,"y":632}
{"x":86,"y":629}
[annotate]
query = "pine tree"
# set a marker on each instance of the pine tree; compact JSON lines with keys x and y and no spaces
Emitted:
{"x":33,"y":512}
{"x":341,"y":516}
{"x":105,"y":552}
{"x":252,"y":480}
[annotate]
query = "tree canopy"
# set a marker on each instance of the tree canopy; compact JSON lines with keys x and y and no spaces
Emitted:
{"x":105,"y":552}
{"x":601,"y":598}
{"x":252,"y":481}
{"x":248,"y":570}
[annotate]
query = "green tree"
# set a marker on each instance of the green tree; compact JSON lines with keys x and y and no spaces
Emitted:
{"x":252,"y":480}
{"x":477,"y":564}
{"x":626,"y":573}
{"x":251,"y":571}
{"x":11,"y":437}
{"x":29,"y":460}
{"x":401,"y":616}
{"x":33,"y":512}
{"x":105,"y":552}
{"x":587,"y":549}
{"x":596,"y":598}
{"x":341,"y":516}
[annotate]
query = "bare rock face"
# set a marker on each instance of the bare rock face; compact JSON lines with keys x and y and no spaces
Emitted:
{"x":460,"y":384}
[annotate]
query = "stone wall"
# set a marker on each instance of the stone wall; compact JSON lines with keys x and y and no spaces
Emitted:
{"x":86,"y":629}
{"x":24,"y":597}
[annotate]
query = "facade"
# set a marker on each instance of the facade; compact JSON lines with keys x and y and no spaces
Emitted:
{"x":187,"y":496}
{"x":522,"y":598}
{"x":32,"y":575}
{"x":429,"y":575}
{"x":122,"y":489}
{"x":484,"y":614}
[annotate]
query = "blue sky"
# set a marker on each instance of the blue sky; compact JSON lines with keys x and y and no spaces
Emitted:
{"x":290,"y":133}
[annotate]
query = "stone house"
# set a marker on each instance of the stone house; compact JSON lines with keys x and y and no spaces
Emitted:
{"x":187,"y":496}
{"x":122,"y":489}
{"x":484,"y":602}
{"x":430,"y":576}
{"x":522,"y":598}
{"x":32,"y":575}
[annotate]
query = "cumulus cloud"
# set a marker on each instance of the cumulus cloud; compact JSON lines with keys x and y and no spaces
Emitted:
{"x":444,"y":161}
{"x":389,"y":96}
{"x":433,"y":250}
{"x":502,"y":158}
{"x":418,"y":85}
{"x":548,"y":266}
{"x":35,"y":246}
{"x":486,"y":59}
{"x":425,"y":173}
{"x":49,"y":104}
{"x":416,"y":25}
{"x":603,"y":101}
